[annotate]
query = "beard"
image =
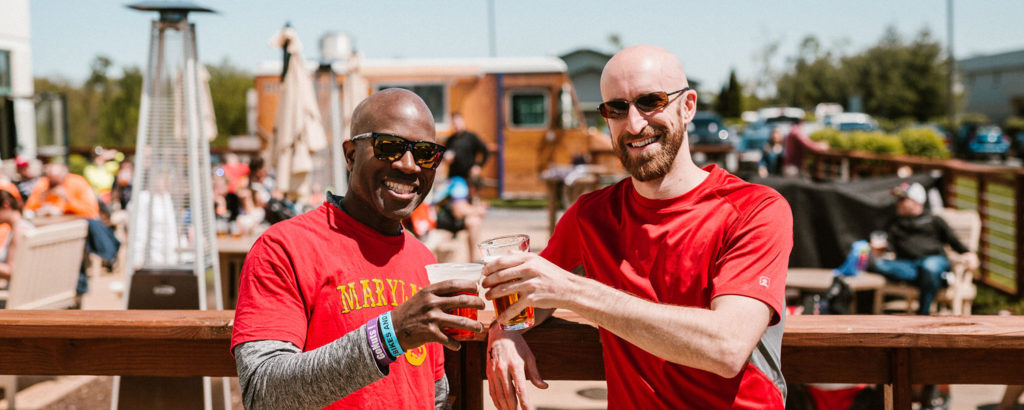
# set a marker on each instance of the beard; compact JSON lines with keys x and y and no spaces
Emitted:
{"x":647,"y":166}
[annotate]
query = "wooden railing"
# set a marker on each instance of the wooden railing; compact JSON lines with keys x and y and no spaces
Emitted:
{"x":896,"y":351}
{"x":996,"y":192}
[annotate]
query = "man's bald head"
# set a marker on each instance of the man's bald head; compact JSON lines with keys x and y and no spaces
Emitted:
{"x":642,"y":62}
{"x":648,"y":140}
{"x":381,"y":111}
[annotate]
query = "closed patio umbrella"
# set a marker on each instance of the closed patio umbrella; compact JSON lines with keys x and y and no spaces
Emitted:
{"x":299,"y":132}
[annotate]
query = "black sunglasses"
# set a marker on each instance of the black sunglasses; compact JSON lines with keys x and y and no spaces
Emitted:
{"x":616,"y":109}
{"x":390,"y":148}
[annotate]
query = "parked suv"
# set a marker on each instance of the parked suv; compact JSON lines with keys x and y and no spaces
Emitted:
{"x":707,"y":128}
{"x":985,"y":141}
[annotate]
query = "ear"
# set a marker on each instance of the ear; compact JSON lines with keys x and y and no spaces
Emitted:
{"x":689,"y":105}
{"x":350,"y":154}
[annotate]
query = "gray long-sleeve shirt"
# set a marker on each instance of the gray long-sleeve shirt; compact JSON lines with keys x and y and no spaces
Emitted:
{"x":275,"y":374}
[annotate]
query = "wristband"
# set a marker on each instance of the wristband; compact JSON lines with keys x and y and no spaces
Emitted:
{"x":377,"y":347}
{"x":387,"y":329}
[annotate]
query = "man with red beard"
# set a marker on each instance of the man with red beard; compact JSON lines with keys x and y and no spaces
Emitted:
{"x":684,"y":267}
{"x":334,"y":305}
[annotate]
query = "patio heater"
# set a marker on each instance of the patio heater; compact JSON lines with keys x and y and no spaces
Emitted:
{"x":172,"y":246}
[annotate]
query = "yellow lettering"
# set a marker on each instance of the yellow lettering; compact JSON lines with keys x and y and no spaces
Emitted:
{"x":378,"y":286}
{"x":404,"y":298}
{"x":367,"y":294}
{"x":393,"y":284}
{"x":349,"y":298}
{"x":413,"y":289}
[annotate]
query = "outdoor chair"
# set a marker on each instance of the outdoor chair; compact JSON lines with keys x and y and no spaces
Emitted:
{"x":45,"y":275}
{"x":959,"y":294}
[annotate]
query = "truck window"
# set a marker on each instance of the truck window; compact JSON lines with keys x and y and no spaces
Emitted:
{"x":529,"y":108}
{"x":433,"y":94}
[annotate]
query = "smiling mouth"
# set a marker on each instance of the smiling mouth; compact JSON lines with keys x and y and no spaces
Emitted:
{"x":643,"y":143}
{"x":399,"y":188}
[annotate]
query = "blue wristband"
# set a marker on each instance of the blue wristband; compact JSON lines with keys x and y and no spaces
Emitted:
{"x":387,"y":329}
{"x":380,"y":356}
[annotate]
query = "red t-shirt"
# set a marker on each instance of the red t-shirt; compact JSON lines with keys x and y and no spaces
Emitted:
{"x":313,"y":278}
{"x":724,"y":237}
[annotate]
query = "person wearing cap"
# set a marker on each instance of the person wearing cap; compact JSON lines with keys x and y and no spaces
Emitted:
{"x":917,"y":237}
{"x":26,"y":177}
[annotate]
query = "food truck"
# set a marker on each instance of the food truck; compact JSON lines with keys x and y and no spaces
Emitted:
{"x":523,"y":108}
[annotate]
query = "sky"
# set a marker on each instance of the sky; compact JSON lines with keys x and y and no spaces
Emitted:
{"x":710,"y":37}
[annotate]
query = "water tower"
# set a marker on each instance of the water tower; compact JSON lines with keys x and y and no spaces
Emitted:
{"x":172,"y":246}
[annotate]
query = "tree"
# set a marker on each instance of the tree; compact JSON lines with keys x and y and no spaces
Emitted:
{"x":119,"y":114}
{"x":104,"y":110}
{"x":729,"y":102}
{"x":814,"y":78}
{"x":228,"y":85}
{"x":893,"y":78}
{"x":762,"y":86}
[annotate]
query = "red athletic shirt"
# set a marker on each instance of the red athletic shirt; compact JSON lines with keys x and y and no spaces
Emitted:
{"x":311,"y":279}
{"x":724,"y":237}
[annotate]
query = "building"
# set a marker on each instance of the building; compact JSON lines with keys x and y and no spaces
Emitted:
{"x":585,"y":67}
{"x":994,"y":84}
{"x":17,"y":109}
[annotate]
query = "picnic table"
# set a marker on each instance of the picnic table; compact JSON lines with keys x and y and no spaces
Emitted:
{"x":818,"y":280}
{"x":231,"y":254}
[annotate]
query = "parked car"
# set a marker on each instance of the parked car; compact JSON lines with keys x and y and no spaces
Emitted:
{"x":988,"y":141}
{"x":851,"y":121}
{"x":707,"y":128}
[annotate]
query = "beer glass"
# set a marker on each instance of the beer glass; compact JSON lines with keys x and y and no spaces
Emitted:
{"x":879,"y":241}
{"x":491,"y":250}
{"x":441,"y":272}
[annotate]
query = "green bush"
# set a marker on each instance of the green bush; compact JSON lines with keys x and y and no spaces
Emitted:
{"x":876,"y":142}
{"x":923,"y":142}
{"x":834,"y":138}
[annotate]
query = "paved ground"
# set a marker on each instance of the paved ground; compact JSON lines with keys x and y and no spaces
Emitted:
{"x":89,"y":392}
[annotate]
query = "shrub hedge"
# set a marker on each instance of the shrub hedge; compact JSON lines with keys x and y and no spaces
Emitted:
{"x":921,"y":142}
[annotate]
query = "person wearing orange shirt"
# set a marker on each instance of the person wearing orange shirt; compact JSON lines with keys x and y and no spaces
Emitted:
{"x":63,"y":193}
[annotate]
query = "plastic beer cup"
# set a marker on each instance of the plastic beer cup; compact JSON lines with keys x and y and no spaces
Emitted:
{"x":469,"y":271}
{"x":491,"y":250}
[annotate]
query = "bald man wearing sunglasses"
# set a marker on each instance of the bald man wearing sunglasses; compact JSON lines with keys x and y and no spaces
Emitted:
{"x":334,"y":305}
{"x":684,"y":268}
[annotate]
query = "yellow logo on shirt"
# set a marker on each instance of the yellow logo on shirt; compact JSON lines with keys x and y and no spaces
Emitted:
{"x":416,"y":356}
{"x":375,"y":292}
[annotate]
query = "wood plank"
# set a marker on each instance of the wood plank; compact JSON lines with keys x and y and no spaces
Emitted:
{"x":967,"y":366}
{"x":893,"y":331}
{"x":822,"y":364}
{"x":943,"y":349}
{"x":900,"y":385}
{"x":114,"y":324}
{"x":116,"y":356}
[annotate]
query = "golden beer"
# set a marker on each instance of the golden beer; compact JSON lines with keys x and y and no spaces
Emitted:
{"x":491,"y":250}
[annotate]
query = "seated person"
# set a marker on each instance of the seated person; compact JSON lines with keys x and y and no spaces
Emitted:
{"x":61,"y":193}
{"x":11,"y":220}
{"x":917,"y":237}
{"x":458,"y":209}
